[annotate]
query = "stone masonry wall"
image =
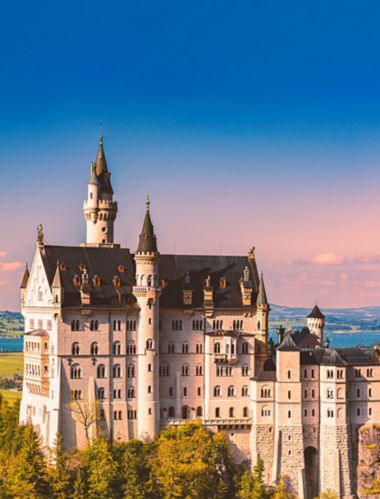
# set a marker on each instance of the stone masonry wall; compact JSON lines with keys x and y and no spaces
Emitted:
{"x":262,"y":445}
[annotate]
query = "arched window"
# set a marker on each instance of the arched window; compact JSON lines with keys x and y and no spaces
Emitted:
{"x":258,"y":325}
{"x":75,"y":325}
{"x":131,"y":392}
{"x":94,"y":348}
{"x":185,"y":412}
{"x":217,"y":347}
{"x":185,"y":348}
{"x":149,"y":344}
{"x":199,"y":412}
{"x":231,"y":412}
{"x":164,"y":369}
{"x":101,"y":371}
{"x":244,"y":391}
{"x":101,"y":393}
{"x":94,"y":325}
{"x":116,"y":371}
{"x":40,"y":294}
{"x":245,"y":412}
{"x":217,"y":391}
{"x":75,"y":349}
{"x":231,"y":391}
{"x":217,"y":412}
{"x":116,"y":348}
{"x":131,"y":371}
{"x":131,"y":349}
{"x":185,"y":369}
{"x":244,"y":347}
{"x":75,"y":371}
{"x":171,"y":412}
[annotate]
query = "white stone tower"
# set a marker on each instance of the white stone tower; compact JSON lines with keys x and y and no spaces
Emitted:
{"x":99,"y":209}
{"x":316,"y":323}
{"x":147,"y":293}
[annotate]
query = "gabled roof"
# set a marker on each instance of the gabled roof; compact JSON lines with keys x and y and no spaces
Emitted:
{"x":103,"y":262}
{"x":37,"y":332}
{"x":288,"y":344}
{"x":332,"y":358}
{"x":174,"y":268}
{"x":316,"y":313}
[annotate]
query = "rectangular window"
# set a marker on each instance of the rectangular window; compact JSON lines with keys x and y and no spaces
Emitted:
{"x":358,"y":393}
{"x":312,"y":373}
{"x":369,"y":392}
{"x":305,"y":373}
{"x":199,"y":391}
{"x":369,"y":411}
{"x":40,"y":324}
{"x":305,"y":394}
{"x":289,"y":414}
{"x":305,"y":413}
{"x":289,"y":374}
{"x":313,"y":412}
{"x":312,"y":393}
{"x":49,"y":325}
{"x":358,"y":411}
{"x":170,"y":392}
{"x":185,"y":391}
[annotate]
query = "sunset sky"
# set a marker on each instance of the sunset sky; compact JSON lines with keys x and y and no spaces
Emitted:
{"x":249,"y":123}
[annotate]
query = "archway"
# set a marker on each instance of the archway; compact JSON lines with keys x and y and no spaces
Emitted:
{"x":311,"y":472}
{"x":185,"y":412}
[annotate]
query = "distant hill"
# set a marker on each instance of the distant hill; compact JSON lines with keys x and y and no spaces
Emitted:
{"x":11,"y":323}
{"x":337,"y":319}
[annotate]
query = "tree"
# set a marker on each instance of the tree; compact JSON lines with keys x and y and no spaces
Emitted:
{"x":27,"y":471}
{"x":88,"y":415}
{"x":189,"y":461}
{"x":80,"y":485}
{"x":101,"y":470}
{"x":281,"y":490}
{"x":259,"y":488}
{"x":134,"y":469}
{"x":245,"y":485}
{"x":59,"y":474}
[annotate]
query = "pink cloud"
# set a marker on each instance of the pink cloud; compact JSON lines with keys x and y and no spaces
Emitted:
{"x":3,"y":253}
{"x":10,"y":266}
{"x":4,"y":283}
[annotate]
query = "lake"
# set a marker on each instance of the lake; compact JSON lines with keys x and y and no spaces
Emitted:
{"x":11,"y":344}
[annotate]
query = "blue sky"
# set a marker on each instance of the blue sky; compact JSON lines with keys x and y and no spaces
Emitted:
{"x":248,"y":122}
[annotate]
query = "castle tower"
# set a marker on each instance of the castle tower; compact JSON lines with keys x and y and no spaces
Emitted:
{"x":99,"y":209}
{"x":316,"y":323}
{"x":147,"y":292}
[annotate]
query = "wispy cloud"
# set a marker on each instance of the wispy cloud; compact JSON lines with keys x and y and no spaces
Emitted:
{"x":10,"y":266}
{"x":332,"y":258}
{"x":3,"y":253}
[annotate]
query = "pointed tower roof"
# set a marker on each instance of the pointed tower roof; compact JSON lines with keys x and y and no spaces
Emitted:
{"x":57,"y":283}
{"x":288,"y":344}
{"x":93,"y":178}
{"x":316,"y":313}
{"x":262,"y":296}
{"x":25,"y":277}
{"x":147,"y":242}
{"x":101,"y":168}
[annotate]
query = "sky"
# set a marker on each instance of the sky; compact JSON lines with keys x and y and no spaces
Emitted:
{"x":249,"y":123}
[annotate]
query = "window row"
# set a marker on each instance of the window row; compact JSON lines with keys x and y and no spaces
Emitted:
{"x":76,"y":371}
{"x":76,"y":325}
{"x":231,"y":391}
{"x":40,"y":324}
{"x":218,"y":348}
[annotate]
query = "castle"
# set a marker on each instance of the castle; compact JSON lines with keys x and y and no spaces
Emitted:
{"x":126,"y":343}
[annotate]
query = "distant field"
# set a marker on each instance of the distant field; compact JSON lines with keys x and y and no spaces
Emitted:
{"x":10,"y":395}
{"x":11,"y":363}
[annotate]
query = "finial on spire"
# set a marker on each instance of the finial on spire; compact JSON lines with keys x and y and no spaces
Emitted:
{"x":101,"y":133}
{"x":40,"y":235}
{"x":147,"y":202}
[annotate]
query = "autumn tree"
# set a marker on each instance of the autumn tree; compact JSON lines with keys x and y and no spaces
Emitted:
{"x":59,"y":474}
{"x":282,"y":490}
{"x":101,"y":470}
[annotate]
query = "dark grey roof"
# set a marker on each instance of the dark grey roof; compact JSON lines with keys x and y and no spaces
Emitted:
{"x":103,"y":262}
{"x":297,"y":336}
{"x":339,"y":356}
{"x":262,"y":296}
{"x":358,"y":356}
{"x":316,"y":313}
{"x":332,"y":358}
{"x":288,"y":344}
{"x":147,"y":241}
{"x":25,"y":278}
{"x":175,"y":267}
{"x":93,"y":178}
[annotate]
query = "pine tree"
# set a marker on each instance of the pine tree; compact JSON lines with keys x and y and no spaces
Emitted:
{"x":281,"y":490}
{"x":27,"y":471}
{"x":101,"y":470}
{"x":59,"y":474}
{"x":80,"y":485}
{"x":259,"y":488}
{"x":134,"y":470}
{"x":245,"y":485}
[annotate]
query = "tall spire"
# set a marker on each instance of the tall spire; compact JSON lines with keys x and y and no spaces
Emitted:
{"x":57,"y":277}
{"x":148,"y":241}
{"x":101,"y":168}
{"x":262,"y":296}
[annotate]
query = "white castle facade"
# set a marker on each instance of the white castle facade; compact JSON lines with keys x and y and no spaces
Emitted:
{"x":124,"y":344}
